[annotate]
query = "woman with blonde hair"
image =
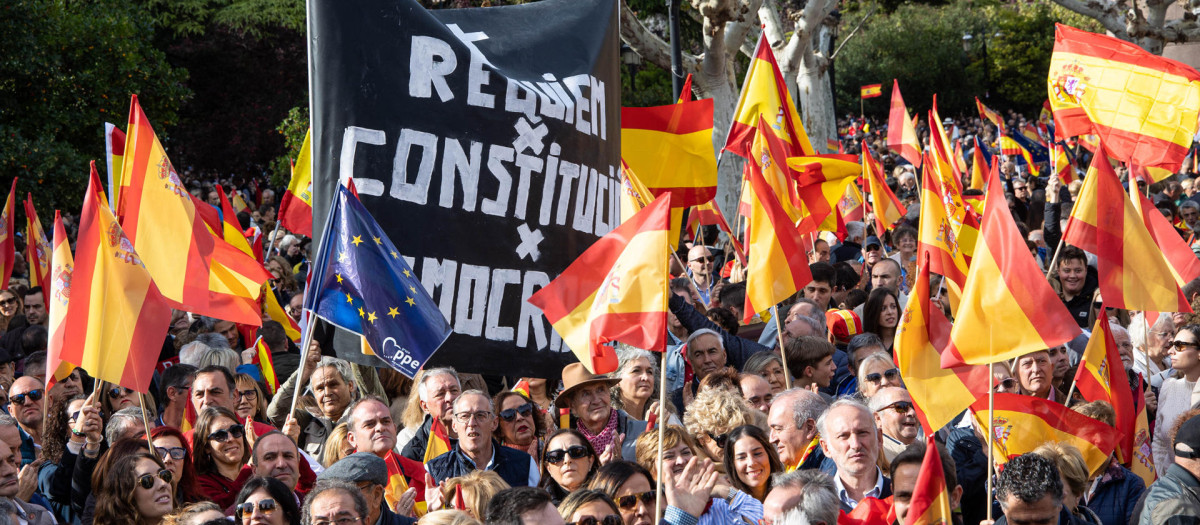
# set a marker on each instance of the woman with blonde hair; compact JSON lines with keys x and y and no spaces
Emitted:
{"x":448,"y":517}
{"x":712,"y":415}
{"x":477,"y":489}
{"x":195,"y":514}
{"x":251,"y":403}
{"x":337,"y":446}
{"x":1073,"y":470}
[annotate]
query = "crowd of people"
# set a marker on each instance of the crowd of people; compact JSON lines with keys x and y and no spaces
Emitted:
{"x":799,"y":419}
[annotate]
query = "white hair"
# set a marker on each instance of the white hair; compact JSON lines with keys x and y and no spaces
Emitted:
{"x":422,"y":392}
{"x":190,"y":353}
{"x":706,"y":331}
{"x":855,"y":231}
{"x":841,"y":402}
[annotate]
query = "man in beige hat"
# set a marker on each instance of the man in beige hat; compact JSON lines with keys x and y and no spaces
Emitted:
{"x":611,"y":431}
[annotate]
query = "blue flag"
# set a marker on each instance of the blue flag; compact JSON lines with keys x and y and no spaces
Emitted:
{"x":1039,"y":152}
{"x":362,"y":284}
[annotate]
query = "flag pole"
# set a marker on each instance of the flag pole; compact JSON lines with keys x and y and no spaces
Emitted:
{"x":787,"y":372}
{"x":272,"y":239}
{"x":662,"y":425}
{"x":305,"y":342}
{"x":146,"y":419}
{"x":990,"y":434}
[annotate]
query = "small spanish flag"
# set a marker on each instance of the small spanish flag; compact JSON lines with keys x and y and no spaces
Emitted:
{"x":58,"y":298}
{"x":871,"y":91}
{"x":189,"y":417}
{"x":262,"y":359}
{"x":1022,"y":423}
{"x":398,"y":485}
{"x":930,"y":497}
{"x":522,"y":387}
{"x":439,"y":441}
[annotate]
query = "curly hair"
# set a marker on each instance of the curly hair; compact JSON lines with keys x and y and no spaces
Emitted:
{"x":627,"y":357}
{"x":1030,"y":478}
{"x":58,"y":428}
{"x":646,"y":446}
{"x":478,"y":488}
{"x":116,"y":500}
{"x":185,"y":486}
{"x":717,"y":411}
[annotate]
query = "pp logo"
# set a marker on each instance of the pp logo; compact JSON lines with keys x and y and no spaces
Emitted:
{"x":398,"y":356}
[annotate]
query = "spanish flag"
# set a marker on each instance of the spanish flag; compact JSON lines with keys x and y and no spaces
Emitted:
{"x":979,"y":168}
{"x":937,"y":236}
{"x":902,"y":133}
{"x":189,"y":417}
{"x":438,"y":442}
{"x":821,"y":182}
{"x":930,"y":503}
{"x":8,"y":233}
{"x":940,"y":394}
{"x":1133,"y":273}
{"x":231,"y":229}
{"x":265,"y":364}
{"x":765,"y":95}
{"x":949,"y":185}
{"x":871,"y":91}
{"x":1022,"y":423}
{"x":991,"y":115}
{"x":888,"y":209}
{"x":670,"y":148}
{"x":1062,"y":163}
{"x":1101,"y":377}
{"x":398,"y":484}
{"x":271,"y":307}
{"x":1184,"y":264}
{"x":117,"y":320}
{"x":615,"y":291}
{"x":37,"y":247}
{"x":1144,"y":107}
{"x":295,"y":207}
{"x":522,"y":386}
{"x":1142,"y":462}
{"x":709,"y":214}
{"x":57,"y":296}
{"x":114,"y":154}
{"x":634,"y":194}
{"x":778,"y":263}
{"x":1008,"y":309}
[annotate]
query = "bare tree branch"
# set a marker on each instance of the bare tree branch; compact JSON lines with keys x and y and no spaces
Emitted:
{"x":647,"y":44}
{"x":736,"y":30}
{"x":1109,"y":14}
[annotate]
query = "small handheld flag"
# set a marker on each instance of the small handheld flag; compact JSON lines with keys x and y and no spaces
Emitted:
{"x":871,"y":91}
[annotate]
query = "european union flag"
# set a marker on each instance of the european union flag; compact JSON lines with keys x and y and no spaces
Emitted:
{"x":1037,"y":151}
{"x":362,"y":284}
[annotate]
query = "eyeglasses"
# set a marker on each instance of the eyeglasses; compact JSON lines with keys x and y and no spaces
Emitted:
{"x":147,"y":480}
{"x":554,"y":457}
{"x":901,"y":407}
{"x":248,"y":394}
{"x":33,"y":395}
{"x":266,"y":506}
{"x":337,"y":521}
{"x":707,"y":258}
{"x":223,"y":435}
{"x":720,"y":440}
{"x":118,"y":391}
{"x":6,"y":302}
{"x":890,"y":375}
{"x":630,"y":501}
{"x":466,"y":417}
{"x":1007,"y":383}
{"x":1177,"y":345}
{"x":176,"y":453}
{"x":511,"y":413}
{"x":611,"y":519}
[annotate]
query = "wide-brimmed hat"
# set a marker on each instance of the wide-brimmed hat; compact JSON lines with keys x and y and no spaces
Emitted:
{"x":576,"y":376}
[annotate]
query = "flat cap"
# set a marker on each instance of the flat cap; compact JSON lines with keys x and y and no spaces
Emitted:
{"x":360,"y":466}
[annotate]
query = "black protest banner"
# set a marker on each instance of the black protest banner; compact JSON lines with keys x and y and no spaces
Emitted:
{"x":485,"y":142}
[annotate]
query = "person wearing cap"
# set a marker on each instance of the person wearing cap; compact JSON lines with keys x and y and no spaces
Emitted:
{"x":851,"y":248}
{"x":587,"y":396}
{"x":475,"y":423}
{"x":369,"y":473}
{"x":872,"y":252}
{"x":1175,"y":497}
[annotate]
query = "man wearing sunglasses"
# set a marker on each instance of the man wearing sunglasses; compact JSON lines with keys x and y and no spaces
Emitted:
{"x":27,"y":404}
{"x":700,"y":268}
{"x":896,"y":416}
{"x":475,"y":423}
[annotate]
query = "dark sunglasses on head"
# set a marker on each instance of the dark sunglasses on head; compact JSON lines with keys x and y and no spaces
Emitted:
{"x":511,"y":413}
{"x":890,"y":374}
{"x":117,"y":391}
{"x":900,"y":406}
{"x":33,"y":395}
{"x":611,"y":519}
{"x":147,"y":480}
{"x":630,"y":501}
{"x":1007,"y":383}
{"x":719,"y":440}
{"x":555,"y":457}
{"x":176,"y":453}
{"x":265,"y":506}
{"x":223,"y":435}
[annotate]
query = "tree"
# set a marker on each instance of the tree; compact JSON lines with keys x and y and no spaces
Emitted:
{"x":1143,"y":23}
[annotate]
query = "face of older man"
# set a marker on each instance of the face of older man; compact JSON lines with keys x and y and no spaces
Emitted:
{"x":852,"y":441}
{"x":897,"y":416}
{"x":886,"y":274}
{"x":757,"y":392}
{"x":373,"y":429}
{"x":474,"y":422}
{"x":706,"y":355}
{"x":1034,"y":372}
{"x":277,"y":457}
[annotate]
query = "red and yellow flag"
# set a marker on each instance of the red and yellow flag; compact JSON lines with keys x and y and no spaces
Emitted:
{"x":1101,"y":377}
{"x":1009,"y":146}
{"x":930,"y":503}
{"x":949,"y":186}
{"x":58,"y":297}
{"x":979,"y":167}
{"x":991,"y":115}
{"x":295,"y":207}
{"x":615,"y":291}
{"x":114,"y":154}
{"x":37,"y":247}
{"x":189,"y":417}
{"x":778,"y":265}
{"x":1008,"y":309}
{"x":439,"y":440}
{"x":709,"y":214}
{"x":271,"y":307}
{"x":765,"y":95}
{"x":265,"y":364}
{"x":670,"y":148}
{"x":1061,"y":163}
{"x":888,"y":209}
{"x":1133,"y":273}
{"x":522,"y":387}
{"x":1022,"y":423}
{"x":821,"y":182}
{"x":117,"y":320}
{"x":8,"y":233}
{"x":1177,"y":252}
{"x":937,"y":238}
{"x":1142,"y":462}
{"x":397,"y":484}
{"x":1143,"y":106}
{"x":685,"y":91}
{"x":871,"y":91}
{"x":902,"y":133}
{"x":231,"y":229}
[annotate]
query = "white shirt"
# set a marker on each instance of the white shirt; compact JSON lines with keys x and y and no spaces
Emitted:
{"x":844,"y":496}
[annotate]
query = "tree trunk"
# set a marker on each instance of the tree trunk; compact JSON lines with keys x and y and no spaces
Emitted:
{"x":816,"y":91}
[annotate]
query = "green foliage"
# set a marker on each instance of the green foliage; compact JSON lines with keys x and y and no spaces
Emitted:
{"x":1020,"y":55}
{"x":649,"y":85}
{"x":64,"y":71}
{"x":293,"y":128}
{"x":256,"y":18}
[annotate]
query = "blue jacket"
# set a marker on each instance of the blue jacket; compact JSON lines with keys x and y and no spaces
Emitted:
{"x":1116,"y":495}
{"x":511,"y":464}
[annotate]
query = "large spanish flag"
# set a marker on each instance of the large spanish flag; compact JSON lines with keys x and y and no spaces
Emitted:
{"x":1143,"y":106}
{"x":1008,"y":309}
{"x":765,"y":95}
{"x":940,"y":394}
{"x":37,"y":246}
{"x":888,"y":209}
{"x":1133,"y":273}
{"x":1022,"y":423}
{"x":117,"y":319}
{"x":1101,"y":377}
{"x":778,"y":263}
{"x":8,"y":232}
{"x":937,"y":238}
{"x":821,"y":183}
{"x":295,"y":207}
{"x":930,"y":503}
{"x":1184,"y":263}
{"x":58,"y":297}
{"x":949,"y":185}
{"x":615,"y":291}
{"x":670,"y":148}
{"x":902,"y":134}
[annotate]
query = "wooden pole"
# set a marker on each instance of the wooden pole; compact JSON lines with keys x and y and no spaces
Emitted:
{"x":662,"y":425}
{"x":787,"y":372}
{"x":146,"y":421}
{"x":305,"y":342}
{"x":990,"y":434}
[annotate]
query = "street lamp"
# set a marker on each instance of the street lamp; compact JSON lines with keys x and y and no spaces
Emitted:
{"x":966,"y":42}
{"x":632,"y":61}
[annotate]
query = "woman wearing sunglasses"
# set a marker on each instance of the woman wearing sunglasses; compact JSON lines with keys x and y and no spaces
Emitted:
{"x":631,"y":488}
{"x":115,"y":397}
{"x":251,"y":403}
{"x":266,"y":501}
{"x":136,"y":492}
{"x":881,"y":315}
{"x":220,"y":455}
{"x":568,"y":463}
{"x":589,"y":507}
{"x":521,"y":423}
{"x":171,"y":448}
{"x":877,"y":371}
{"x":54,"y":478}
{"x":729,"y":505}
{"x":750,"y":460}
{"x":1174,"y":397}
{"x":10,"y":307}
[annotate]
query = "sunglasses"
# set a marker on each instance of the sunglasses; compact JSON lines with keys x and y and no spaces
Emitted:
{"x":265,"y":506}
{"x":1177,"y":345}
{"x":719,"y":440}
{"x":876,"y":377}
{"x":611,"y":519}
{"x":33,"y":395}
{"x":176,"y":453}
{"x":147,"y":480}
{"x":1007,"y":383}
{"x":223,"y":435}
{"x":630,"y":501}
{"x":6,"y":302}
{"x":511,"y":413}
{"x":554,"y":457}
{"x":704,"y":259}
{"x":118,"y":391}
{"x":901,"y":407}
